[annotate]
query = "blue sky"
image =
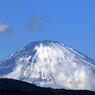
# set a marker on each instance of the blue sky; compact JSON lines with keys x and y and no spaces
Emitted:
{"x":71,"y":22}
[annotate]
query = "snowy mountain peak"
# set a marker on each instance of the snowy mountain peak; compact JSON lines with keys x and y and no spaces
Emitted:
{"x":50,"y":64}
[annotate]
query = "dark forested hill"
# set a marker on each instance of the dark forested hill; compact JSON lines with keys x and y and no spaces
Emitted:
{"x":15,"y":87}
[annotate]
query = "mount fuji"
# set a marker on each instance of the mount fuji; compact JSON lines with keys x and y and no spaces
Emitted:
{"x":50,"y":64}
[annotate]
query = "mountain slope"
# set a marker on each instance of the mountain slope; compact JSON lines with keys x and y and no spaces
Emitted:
{"x":50,"y":64}
{"x":14,"y":87}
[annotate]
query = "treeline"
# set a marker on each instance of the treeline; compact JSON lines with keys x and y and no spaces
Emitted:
{"x":15,"y":87}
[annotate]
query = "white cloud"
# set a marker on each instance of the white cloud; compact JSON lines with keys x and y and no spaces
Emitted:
{"x":4,"y":27}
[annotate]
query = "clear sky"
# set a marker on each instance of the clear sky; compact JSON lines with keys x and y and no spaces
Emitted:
{"x":71,"y":22}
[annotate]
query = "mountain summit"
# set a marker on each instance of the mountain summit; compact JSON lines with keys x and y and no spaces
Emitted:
{"x":50,"y":64}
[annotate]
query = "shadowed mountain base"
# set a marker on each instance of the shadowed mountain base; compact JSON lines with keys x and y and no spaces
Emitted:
{"x":15,"y":87}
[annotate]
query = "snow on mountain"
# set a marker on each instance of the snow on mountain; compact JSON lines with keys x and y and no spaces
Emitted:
{"x":50,"y":64}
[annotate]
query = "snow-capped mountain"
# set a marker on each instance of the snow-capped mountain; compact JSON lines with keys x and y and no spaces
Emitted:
{"x":50,"y":64}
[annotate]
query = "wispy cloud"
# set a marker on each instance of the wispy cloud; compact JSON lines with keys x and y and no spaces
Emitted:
{"x":32,"y":26}
{"x":4,"y":27}
{"x":35,"y":22}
